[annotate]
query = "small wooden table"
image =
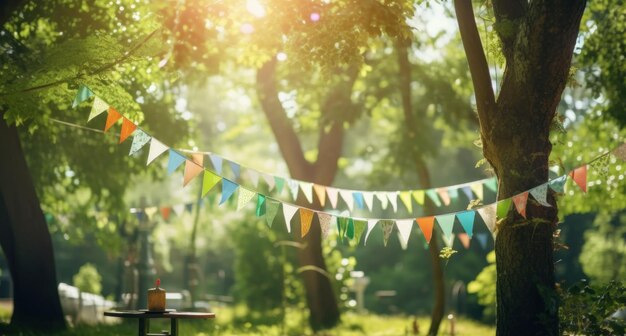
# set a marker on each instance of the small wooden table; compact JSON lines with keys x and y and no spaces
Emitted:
{"x":145,"y":316}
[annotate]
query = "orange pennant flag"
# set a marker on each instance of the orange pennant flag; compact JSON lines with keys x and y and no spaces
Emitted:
{"x":128,"y":127}
{"x":426,"y":225}
{"x":192,"y":169}
{"x":306,"y":216}
{"x":198,"y":158}
{"x":520,"y":201}
{"x":579,"y":175}
{"x":165,"y":212}
{"x":112,"y":117}
{"x":445,"y":197}
{"x":465,"y":240}
{"x":320,"y":191}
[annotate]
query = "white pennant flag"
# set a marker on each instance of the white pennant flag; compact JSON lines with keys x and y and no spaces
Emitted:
{"x":325,"y":220}
{"x":307,"y":190}
{"x":156,"y":148}
{"x":332,"y":196}
{"x":393,"y":199}
{"x":449,"y":241}
{"x":253,"y":175}
{"x":488,"y":213}
{"x":404,"y":230}
{"x":179,"y":209}
{"x":369,"y":200}
{"x":270,"y":181}
{"x":288,"y":212}
{"x":540,"y":194}
{"x":346,"y":195}
{"x":370,"y":226}
{"x":293,"y":188}
{"x":98,"y":107}
{"x":382,"y":197}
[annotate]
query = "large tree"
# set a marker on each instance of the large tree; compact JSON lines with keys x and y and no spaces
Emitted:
{"x":537,"y":40}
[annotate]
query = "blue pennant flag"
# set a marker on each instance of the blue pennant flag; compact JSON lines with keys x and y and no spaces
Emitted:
{"x":482,"y":239}
{"x":358,"y":199}
{"x":467,"y":221}
{"x":217,"y":163}
{"x":83,"y":94}
{"x":468,"y":192}
{"x":235,"y":168}
{"x":176,"y":159}
{"x":228,"y":188}
{"x":558,"y":184}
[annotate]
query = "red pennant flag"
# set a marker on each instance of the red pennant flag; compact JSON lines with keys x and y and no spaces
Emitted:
{"x":306,"y":216}
{"x":128,"y":127}
{"x":520,"y":201}
{"x":465,"y":239}
{"x":112,"y":117}
{"x":165,"y":212}
{"x":192,"y":169}
{"x":579,"y":175}
{"x":426,"y":225}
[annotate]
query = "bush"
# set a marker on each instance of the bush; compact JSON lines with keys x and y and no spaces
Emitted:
{"x":88,"y":279}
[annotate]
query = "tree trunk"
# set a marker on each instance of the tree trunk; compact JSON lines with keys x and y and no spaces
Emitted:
{"x":538,"y":45}
{"x":26,"y":242}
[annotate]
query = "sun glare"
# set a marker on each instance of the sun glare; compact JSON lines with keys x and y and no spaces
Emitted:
{"x":255,"y":8}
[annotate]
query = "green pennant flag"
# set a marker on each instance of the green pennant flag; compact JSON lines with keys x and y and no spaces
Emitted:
{"x":503,"y":208}
{"x":350,"y":229}
{"x":260,"y":205}
{"x":492,"y":184}
{"x":209,"y":181}
{"x":359,"y":228}
{"x":83,"y":94}
{"x":342,"y":226}
{"x":280,"y":183}
{"x":271,"y":209}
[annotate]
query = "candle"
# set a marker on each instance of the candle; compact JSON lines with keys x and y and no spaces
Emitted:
{"x":156,"y":298}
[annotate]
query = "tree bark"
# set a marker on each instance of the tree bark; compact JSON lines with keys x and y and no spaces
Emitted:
{"x":515,"y":132}
{"x":404,"y":67}
{"x":321,"y":299}
{"x":26,"y":242}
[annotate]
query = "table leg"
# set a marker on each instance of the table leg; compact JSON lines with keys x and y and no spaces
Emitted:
{"x":143,"y":328}
{"x":174,"y":326}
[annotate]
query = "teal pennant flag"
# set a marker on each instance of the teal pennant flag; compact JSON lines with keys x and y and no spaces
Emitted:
{"x":467,"y":221}
{"x":492,"y":184}
{"x":140,"y":139}
{"x":432,"y":194}
{"x":176,"y":159}
{"x":228,"y":188}
{"x":83,"y":94}
{"x":446,"y":223}
{"x":260,"y":205}
{"x":558,"y":184}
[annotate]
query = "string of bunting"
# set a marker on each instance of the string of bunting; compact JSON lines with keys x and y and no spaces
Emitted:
{"x":348,"y":226}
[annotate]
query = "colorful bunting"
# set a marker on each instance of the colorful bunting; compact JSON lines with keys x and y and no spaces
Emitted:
{"x":192,"y":169}
{"x":244,"y":197}
{"x":359,"y":228}
{"x":83,"y":94}
{"x":558,"y":184}
{"x":280,"y":183}
{"x":482,"y":239}
{"x":579,"y":175}
{"x":320,"y":191}
{"x":443,"y":194}
{"x":368,"y":197}
{"x":98,"y":107}
{"x":404,"y":230}
{"x":382,"y":197}
{"x":235,"y":168}
{"x":307,"y":190}
{"x":477,"y":188}
{"x":288,"y":212}
{"x":465,"y":239}
{"x":387,"y":226}
{"x":466,"y":219}
{"x":156,"y":149}
{"x":503,"y":208}
{"x":418,"y":195}
{"x":332,"y":196}
{"x":371,"y":223}
{"x":405,"y":197}
{"x":176,"y":159}
{"x":347,"y":197}
{"x":228,"y":188}
{"x":209,"y":181}
{"x":324,"y":219}
{"x":128,"y":127}
{"x":540,"y":193}
{"x":620,"y":152}
{"x":446,"y":223}
{"x":140,"y":139}
{"x":468,"y":192}
{"x":488,"y":214}
{"x":216,"y":161}
{"x":432,"y":194}
{"x":358,"y":199}
{"x":112,"y":117}
{"x":271,"y":209}
{"x":260,"y":205}
{"x":393,"y":200}
{"x":426,"y":225}
{"x":293,"y":188}
{"x":520,"y":201}
{"x":306,"y":217}
{"x":270,"y":181}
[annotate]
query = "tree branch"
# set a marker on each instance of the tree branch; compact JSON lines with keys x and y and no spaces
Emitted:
{"x":481,"y":79}
{"x":508,"y":15}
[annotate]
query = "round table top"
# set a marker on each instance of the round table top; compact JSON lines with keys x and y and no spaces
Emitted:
{"x":159,"y":314}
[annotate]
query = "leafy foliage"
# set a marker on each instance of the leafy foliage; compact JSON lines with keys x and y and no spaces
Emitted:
{"x":88,"y":279}
{"x":484,"y":286}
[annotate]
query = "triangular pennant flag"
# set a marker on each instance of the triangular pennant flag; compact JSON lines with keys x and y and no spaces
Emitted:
{"x":253,"y":175}
{"x":393,"y":200}
{"x":280,"y":183}
{"x":368,"y":197}
{"x":382,"y":197}
{"x":198,"y":158}
{"x":620,"y":152}
{"x":98,"y":107}
{"x":448,"y":240}
{"x":492,"y":184}
{"x":140,"y":139}
{"x":601,"y":165}
{"x":83,"y":94}
{"x":443,"y":194}
{"x":235,"y":168}
{"x":307,"y":190}
{"x":579,"y":175}
{"x":350,"y":229}
{"x":405,"y":197}
{"x":488,"y":214}
{"x":387,"y":226}
{"x":477,"y":188}
{"x":332,"y":196}
{"x":347,"y":197}
{"x":342,"y":226}
{"x":558,"y":184}
{"x":271,"y":209}
{"x":453,"y":193}
{"x":482,"y":239}
{"x":288,"y":212}
{"x":466,"y":218}
{"x":293,"y":186}
{"x":426,"y":225}
{"x":179,"y":209}
{"x":209,"y":181}
{"x":128,"y":127}
{"x":156,"y":149}
{"x":446,"y":223}
{"x":192,"y":169}
{"x":358,"y":199}
{"x":418,"y":195}
{"x":216,"y":161}
{"x":404,"y":245}
{"x":165,"y":212}
{"x":151,"y":211}
{"x":320,"y":191}
{"x":324,"y":219}
{"x":432,"y":194}
{"x":306,"y":216}
{"x":244,"y":197}
{"x":189,"y":207}
{"x":468,"y":192}
{"x":112,"y":117}
{"x":139,"y":214}
{"x":370,"y":226}
{"x":176,"y":159}
{"x":540,"y":193}
{"x":465,"y":239}
{"x":404,"y":230}
{"x":228,"y":188}
{"x":359,"y":228}
{"x":503,"y":208}
{"x":520,"y":201}
{"x":269,"y":180}
{"x":260,"y":205}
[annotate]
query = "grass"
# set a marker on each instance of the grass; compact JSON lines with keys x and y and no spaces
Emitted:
{"x":231,"y":321}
